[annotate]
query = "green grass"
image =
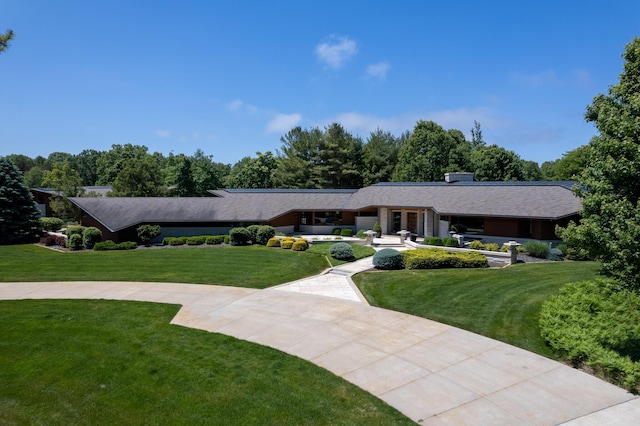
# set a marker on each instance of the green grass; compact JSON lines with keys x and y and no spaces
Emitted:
{"x":107,"y":362}
{"x":322,"y":248}
{"x":503,"y":304}
{"x":255,"y":266}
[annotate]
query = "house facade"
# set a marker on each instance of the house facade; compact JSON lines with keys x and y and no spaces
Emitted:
{"x":516,"y":210}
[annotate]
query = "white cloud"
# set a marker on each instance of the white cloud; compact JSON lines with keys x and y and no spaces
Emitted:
{"x":335,"y":52}
{"x":163,"y":133}
{"x":238,"y":105}
{"x":583,"y":78}
{"x":281,"y":123}
{"x":378,"y":70}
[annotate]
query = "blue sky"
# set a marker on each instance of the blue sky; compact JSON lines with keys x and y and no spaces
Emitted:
{"x":232,"y":77}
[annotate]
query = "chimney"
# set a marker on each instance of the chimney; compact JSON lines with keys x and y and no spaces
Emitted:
{"x":458,"y":177}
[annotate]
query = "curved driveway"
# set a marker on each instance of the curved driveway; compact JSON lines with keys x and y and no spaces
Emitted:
{"x":433,"y":373}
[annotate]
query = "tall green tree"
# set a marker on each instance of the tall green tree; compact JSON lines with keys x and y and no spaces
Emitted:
{"x":570,"y":165}
{"x":185,"y":184}
{"x":380,"y":155}
{"x":207,"y":173}
{"x":139,"y":177}
{"x":297,"y":158}
{"x":609,"y":228}
{"x":86,"y":164}
{"x":426,"y":155}
{"x":494,"y":163}
{"x":111,"y":162}
{"x":252,"y":172}
{"x":22,"y":162}
{"x":18,"y":212}
{"x":65,"y":182}
{"x":531,"y":171}
{"x":477,"y":141}
{"x":4,"y":40}
{"x":340,"y":159}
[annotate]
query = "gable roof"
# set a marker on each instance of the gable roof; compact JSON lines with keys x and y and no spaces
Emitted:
{"x":533,"y":200}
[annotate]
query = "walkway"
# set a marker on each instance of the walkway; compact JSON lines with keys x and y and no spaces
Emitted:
{"x":433,"y":373}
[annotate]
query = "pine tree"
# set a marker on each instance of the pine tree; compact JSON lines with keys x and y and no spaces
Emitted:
{"x":18,"y":211}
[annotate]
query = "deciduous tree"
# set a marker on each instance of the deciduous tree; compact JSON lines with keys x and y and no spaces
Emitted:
{"x":610,"y":183}
{"x":494,"y":163}
{"x":65,"y":182}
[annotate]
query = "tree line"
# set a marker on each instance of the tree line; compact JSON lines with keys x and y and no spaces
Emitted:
{"x":311,"y":158}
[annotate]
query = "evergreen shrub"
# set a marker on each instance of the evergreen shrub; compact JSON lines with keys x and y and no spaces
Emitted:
{"x":214,"y":239}
{"x":287,"y":244}
{"x":166,"y":241}
{"x":388,"y":258}
{"x":346,"y":232}
{"x":178,"y":241}
{"x":239,"y":236}
{"x":336,"y":231}
{"x":61,"y":241}
{"x":264,"y":234}
{"x":341,"y":251}
{"x":74,"y":230}
{"x":110,"y":245}
{"x":51,"y":224}
{"x":273,"y":242}
{"x":300,"y":245}
{"x":433,"y":241}
{"x":491,"y":247}
{"x":476,"y":245}
{"x":49,"y":240}
{"x":253,"y":232}
{"x":74,"y":242}
{"x":438,"y":258}
{"x":90,"y":236}
{"x":195,"y":241}
{"x":361,"y":234}
{"x":227,"y":239}
{"x":147,"y":232}
{"x":450,"y":242}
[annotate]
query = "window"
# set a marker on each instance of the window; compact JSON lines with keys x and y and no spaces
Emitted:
{"x":328,"y":218}
{"x":467,"y":225}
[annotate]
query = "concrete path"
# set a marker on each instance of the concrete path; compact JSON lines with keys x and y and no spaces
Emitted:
{"x":433,"y":373}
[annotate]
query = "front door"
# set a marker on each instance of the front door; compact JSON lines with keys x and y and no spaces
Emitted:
{"x":397,"y":221}
{"x":412,"y":222}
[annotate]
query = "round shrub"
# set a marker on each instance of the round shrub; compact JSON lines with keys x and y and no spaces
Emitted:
{"x":74,"y":242}
{"x":91,"y":236}
{"x":51,"y":224}
{"x":148,"y":232}
{"x":336,"y":231}
{"x":341,"y":251}
{"x":300,"y":245}
{"x":476,"y":245}
{"x":195,"y":241}
{"x":361,"y":234}
{"x":491,"y":247}
{"x":61,"y":241}
{"x":273,"y":242}
{"x":388,"y":259}
{"x":253,"y":231}
{"x":166,"y":241}
{"x":74,"y":230}
{"x":178,"y":241}
{"x":287,"y":244}
{"x":239,"y":236}
{"x":347,"y":232}
{"x":264,"y":234}
{"x":450,"y":242}
{"x":105,"y":245}
{"x":214,"y":239}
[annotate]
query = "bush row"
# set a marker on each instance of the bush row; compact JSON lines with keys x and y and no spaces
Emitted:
{"x":595,"y":323}
{"x":79,"y":237}
{"x":437,"y":241}
{"x":53,"y":240}
{"x":110,"y":245}
{"x":436,"y":258}
{"x":256,"y":234}
{"x":51,"y":224}
{"x":345,"y":232}
{"x":295,"y":244}
{"x":196,"y":240}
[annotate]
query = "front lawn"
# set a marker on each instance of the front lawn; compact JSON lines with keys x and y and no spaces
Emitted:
{"x":111,"y":362}
{"x":359,"y":252}
{"x":255,"y":266}
{"x":500,"y":303}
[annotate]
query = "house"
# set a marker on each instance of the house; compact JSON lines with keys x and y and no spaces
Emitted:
{"x":42,"y":196}
{"x":513,"y":210}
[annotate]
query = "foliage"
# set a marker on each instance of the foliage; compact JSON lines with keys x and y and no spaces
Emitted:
{"x":166,"y":241}
{"x":195,"y":240}
{"x":287,"y":243}
{"x":433,"y":241}
{"x":139,"y":177}
{"x":253,"y":231}
{"x":569,"y":167}
{"x":177,"y":241}
{"x":491,"y":247}
{"x":110,"y":245}
{"x":18,"y":212}
{"x":300,"y":245}
{"x":361,"y":234}
{"x":555,"y":254}
{"x":377,"y":227}
{"x":476,"y":245}
{"x":450,"y":242}
{"x":594,"y":323}
{"x":346,"y":232}
{"x":51,"y":224}
{"x":147,"y":232}
{"x":4,"y":40}
{"x":74,"y":230}
{"x":388,"y":258}
{"x":336,"y":231}
{"x":74,"y":242}
{"x":90,"y":236}
{"x":66,"y":183}
{"x":273,"y":242}
{"x":609,"y":229}
{"x":252,"y":172}
{"x":49,"y":240}
{"x":438,"y":258}
{"x":341,"y":251}
{"x":494,"y":163}
{"x":239,"y":236}
{"x":264,"y":234}
{"x":536,"y":249}
{"x":380,"y":155}
{"x":185,"y":184}
{"x":360,"y":251}
{"x":214,"y":239}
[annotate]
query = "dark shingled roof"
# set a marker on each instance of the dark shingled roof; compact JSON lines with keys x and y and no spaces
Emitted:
{"x":539,"y":200}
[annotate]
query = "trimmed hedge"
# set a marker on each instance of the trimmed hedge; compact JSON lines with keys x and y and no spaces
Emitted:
{"x":450,"y":242}
{"x":595,"y":323}
{"x":264,"y":234}
{"x":433,"y":241}
{"x":476,"y":245}
{"x":341,"y":251}
{"x":361,"y":234}
{"x":336,"y":231}
{"x":287,"y":244}
{"x":388,"y":258}
{"x":273,"y":242}
{"x":239,"y":236}
{"x":74,"y":242}
{"x":91,"y":236}
{"x":178,"y":241}
{"x":74,"y":230}
{"x":51,"y":224}
{"x":214,"y":239}
{"x":492,"y":247}
{"x":437,"y":259}
{"x":300,"y":245}
{"x":253,"y":231}
{"x":195,"y":241}
{"x":347,"y":232}
{"x":110,"y":245}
